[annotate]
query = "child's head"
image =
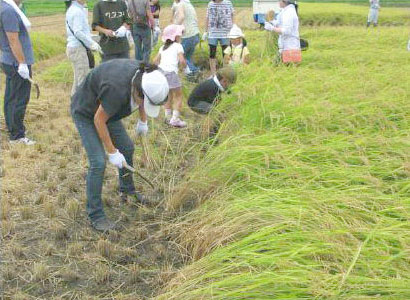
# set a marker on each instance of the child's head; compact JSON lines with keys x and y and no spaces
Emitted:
{"x":236,"y":35}
{"x":226,"y":76}
{"x":173,"y":33}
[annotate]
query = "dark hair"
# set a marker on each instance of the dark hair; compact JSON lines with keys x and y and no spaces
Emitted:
{"x":244,"y":44}
{"x":137,"y":80}
{"x":68,"y":4}
{"x":167,"y":44}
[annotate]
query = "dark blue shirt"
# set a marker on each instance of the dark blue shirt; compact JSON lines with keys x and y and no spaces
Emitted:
{"x":10,"y":21}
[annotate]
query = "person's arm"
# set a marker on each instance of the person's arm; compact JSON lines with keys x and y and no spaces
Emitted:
{"x":180,"y":14}
{"x":16,"y":47}
{"x":150,"y":16}
{"x":100,"y":122}
{"x":181,"y":60}
{"x":97,"y":22}
{"x":207,"y":19}
{"x":77,"y":25}
{"x":287,"y":25}
{"x":157,"y":59}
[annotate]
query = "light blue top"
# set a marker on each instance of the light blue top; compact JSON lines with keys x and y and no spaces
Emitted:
{"x":77,"y":18}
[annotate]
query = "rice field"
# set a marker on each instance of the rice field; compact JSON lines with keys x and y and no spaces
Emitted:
{"x":302,"y":194}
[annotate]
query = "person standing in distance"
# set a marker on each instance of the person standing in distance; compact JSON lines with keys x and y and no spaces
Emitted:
{"x":111,"y":20}
{"x":78,"y":38}
{"x":109,"y":93}
{"x":143,"y":24}
{"x":16,"y":60}
{"x":373,"y":12}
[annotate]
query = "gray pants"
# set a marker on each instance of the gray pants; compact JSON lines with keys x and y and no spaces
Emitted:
{"x":79,"y":60}
{"x":201,"y":107}
{"x":96,"y":159}
{"x":373,"y":16}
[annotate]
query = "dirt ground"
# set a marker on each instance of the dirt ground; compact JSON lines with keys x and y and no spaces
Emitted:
{"x":55,"y":24}
{"x":49,"y":250}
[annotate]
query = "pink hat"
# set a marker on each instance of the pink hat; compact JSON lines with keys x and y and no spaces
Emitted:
{"x":172,"y":31}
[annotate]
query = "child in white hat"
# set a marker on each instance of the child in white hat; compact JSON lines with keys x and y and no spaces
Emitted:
{"x":169,"y":59}
{"x":237,"y":52}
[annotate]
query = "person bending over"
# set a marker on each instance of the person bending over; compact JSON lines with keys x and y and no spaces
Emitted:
{"x":109,"y":93}
{"x":207,"y":94}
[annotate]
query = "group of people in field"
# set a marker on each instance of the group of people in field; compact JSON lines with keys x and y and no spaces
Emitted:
{"x":103,"y":95}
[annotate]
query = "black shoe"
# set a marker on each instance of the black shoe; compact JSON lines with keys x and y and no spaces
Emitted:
{"x":135,"y":198}
{"x":103,"y":225}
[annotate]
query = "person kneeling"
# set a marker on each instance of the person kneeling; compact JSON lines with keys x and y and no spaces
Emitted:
{"x":237,"y":52}
{"x":109,"y":93}
{"x":207,"y":94}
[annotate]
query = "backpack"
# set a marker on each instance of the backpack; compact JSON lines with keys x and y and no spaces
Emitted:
{"x":138,"y":11}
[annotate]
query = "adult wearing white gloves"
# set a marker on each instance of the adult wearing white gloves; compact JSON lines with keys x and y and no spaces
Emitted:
{"x":111,"y":20}
{"x":78,"y":40}
{"x":111,"y":92}
{"x":16,"y":60}
{"x":287,"y":26}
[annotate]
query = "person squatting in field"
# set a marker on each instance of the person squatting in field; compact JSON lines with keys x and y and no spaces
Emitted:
{"x":109,"y":93}
{"x":170,"y":58}
{"x":111,"y":20}
{"x":237,"y":52}
{"x":16,"y":59}
{"x":207,"y":94}
{"x":373,"y":12}
{"x":78,"y":41}
{"x":287,"y":26}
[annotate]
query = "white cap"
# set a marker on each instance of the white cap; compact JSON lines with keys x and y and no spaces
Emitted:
{"x":235,"y":32}
{"x":155,"y":88}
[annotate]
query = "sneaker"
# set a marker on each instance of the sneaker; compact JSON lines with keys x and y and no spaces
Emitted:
{"x":135,"y":198}
{"x":177,"y":122}
{"x":24,"y":140}
{"x":103,"y":225}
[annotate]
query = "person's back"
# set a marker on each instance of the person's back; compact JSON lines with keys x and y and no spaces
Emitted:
{"x":202,"y":98}
{"x":220,"y":18}
{"x":190,"y":20}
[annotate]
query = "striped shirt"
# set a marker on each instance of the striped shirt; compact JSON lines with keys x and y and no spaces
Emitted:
{"x":220,"y":19}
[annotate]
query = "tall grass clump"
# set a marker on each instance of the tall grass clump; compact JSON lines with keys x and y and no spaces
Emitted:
{"x":47,"y":45}
{"x":305,"y":193}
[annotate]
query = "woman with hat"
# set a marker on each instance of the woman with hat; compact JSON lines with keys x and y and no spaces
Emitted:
{"x":237,"y":52}
{"x":111,"y":92}
{"x":170,"y":58}
{"x":288,"y":29}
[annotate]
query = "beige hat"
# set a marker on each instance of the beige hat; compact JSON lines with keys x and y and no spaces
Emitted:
{"x":235,"y":32}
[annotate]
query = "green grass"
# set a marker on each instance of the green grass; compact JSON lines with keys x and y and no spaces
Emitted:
{"x":306,"y":193}
{"x":46,"y":45}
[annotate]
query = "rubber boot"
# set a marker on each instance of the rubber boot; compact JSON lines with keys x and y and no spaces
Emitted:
{"x":212,"y":65}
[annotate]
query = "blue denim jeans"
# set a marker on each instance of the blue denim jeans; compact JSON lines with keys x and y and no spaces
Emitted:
{"x":97,"y":161}
{"x":16,"y":98}
{"x":142,"y":40}
{"x":189,"y":45}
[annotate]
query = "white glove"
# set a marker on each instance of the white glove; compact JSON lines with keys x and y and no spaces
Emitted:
{"x":121,"y":32}
{"x":96,"y":47}
{"x":141,"y":128}
{"x":117,"y":159}
{"x":24,"y":71}
{"x":269,"y":26}
{"x":205,"y":36}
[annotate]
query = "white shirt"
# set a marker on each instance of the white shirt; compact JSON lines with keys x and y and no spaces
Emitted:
{"x":77,"y":18}
{"x":169,"y":57}
{"x":289,"y":23}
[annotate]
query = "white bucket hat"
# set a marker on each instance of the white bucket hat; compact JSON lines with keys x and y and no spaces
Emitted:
{"x":235,"y":32}
{"x":155,"y":88}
